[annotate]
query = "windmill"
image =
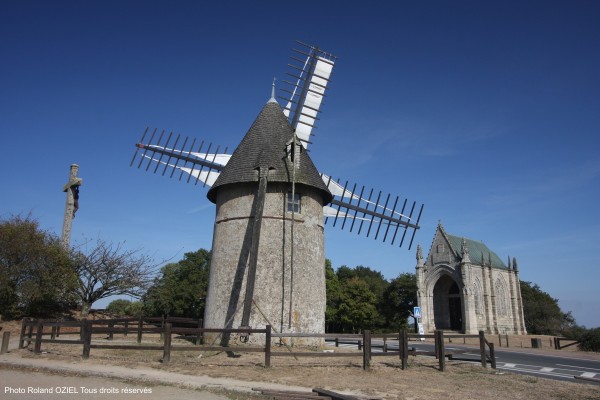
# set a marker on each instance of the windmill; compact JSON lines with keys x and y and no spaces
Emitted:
{"x":272,"y":205}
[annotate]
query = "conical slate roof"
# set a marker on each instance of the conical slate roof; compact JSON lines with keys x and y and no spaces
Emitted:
{"x":265,"y":146}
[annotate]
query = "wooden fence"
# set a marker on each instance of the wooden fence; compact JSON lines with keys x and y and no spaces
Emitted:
{"x":558,"y":342}
{"x":83,"y":330}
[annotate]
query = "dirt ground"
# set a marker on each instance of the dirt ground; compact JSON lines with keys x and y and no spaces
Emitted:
{"x":420,"y":381}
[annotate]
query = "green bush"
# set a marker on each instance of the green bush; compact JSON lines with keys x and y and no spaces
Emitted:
{"x":590,"y":340}
{"x":134,"y":309}
{"x":118,"y":307}
{"x":125,"y":308}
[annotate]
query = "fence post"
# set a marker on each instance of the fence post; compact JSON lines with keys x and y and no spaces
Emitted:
{"x":162,"y":325}
{"x":482,"y":349}
{"x":404,"y":348}
{"x":441,"y":351}
{"x":111,"y":326}
{"x":53,"y":333}
{"x":366,"y":350}
{"x":23,"y":330}
{"x":5,"y":340}
{"x":38,"y":337}
{"x":139,"y":329}
{"x":82,"y":329}
{"x":337,"y":342}
{"x":268,"y":347}
{"x":167,"y":344}
{"x":86,"y":332}
{"x":126,"y":328}
{"x":492,"y":356}
{"x":199,"y":337}
{"x":30,"y":331}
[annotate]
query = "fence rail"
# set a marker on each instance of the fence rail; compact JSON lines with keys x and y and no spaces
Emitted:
{"x":559,"y":346}
{"x":164,"y":327}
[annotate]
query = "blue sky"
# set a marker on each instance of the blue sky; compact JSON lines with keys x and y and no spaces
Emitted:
{"x":486,"y":112}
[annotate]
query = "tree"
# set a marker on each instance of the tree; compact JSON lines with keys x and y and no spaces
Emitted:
{"x":37,"y":277}
{"x":542,"y":313}
{"x":334,"y":295}
{"x":357,"y":310}
{"x":376,"y":283}
{"x":180,"y":290}
{"x":109,"y":269}
{"x":399,"y":299}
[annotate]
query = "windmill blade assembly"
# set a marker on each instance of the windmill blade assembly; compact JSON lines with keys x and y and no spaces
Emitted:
{"x":306,"y":93}
{"x":200,"y":165}
{"x":374,"y":214}
{"x":379,"y":215}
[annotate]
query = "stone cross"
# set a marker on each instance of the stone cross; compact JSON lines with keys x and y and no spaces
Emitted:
{"x":72,"y":190}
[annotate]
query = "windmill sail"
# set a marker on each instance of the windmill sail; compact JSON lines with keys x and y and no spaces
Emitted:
{"x":305,"y":94}
{"x":378,"y":215}
{"x":200,"y":166}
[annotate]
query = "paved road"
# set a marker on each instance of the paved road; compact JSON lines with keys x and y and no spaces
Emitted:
{"x":547,"y":364}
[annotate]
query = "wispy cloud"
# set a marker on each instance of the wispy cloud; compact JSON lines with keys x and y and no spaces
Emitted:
{"x":200,"y":208}
{"x":546,"y":181}
{"x":426,"y":139}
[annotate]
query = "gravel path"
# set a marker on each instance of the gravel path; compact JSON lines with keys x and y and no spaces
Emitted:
{"x":50,"y":376}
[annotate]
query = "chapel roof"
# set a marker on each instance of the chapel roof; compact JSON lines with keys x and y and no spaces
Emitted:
{"x":477,"y":249}
{"x":264,"y":146}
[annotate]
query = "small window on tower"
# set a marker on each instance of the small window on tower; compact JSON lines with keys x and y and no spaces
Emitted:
{"x":293,"y":203}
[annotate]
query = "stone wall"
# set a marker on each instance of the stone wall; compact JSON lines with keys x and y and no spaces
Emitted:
{"x":277,"y":282}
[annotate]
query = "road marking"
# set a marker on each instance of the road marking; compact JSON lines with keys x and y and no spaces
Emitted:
{"x":539,"y":355}
{"x":534,"y":372}
{"x":508,"y":365}
{"x":588,"y":375}
{"x":546,"y":369}
{"x":577,"y":366}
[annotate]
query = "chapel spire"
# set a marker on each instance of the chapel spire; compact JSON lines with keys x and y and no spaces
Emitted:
{"x":464,"y":250}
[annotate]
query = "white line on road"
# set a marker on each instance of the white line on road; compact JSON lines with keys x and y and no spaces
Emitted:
{"x":534,"y":372}
{"x":577,"y":366}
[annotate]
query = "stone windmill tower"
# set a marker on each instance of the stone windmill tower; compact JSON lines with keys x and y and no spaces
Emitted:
{"x":268,"y":255}
{"x":255,"y":219}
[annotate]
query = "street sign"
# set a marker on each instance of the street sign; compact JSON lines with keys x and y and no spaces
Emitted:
{"x":417,"y":312}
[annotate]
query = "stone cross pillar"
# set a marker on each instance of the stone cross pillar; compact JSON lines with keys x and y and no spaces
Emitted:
{"x":72,"y":190}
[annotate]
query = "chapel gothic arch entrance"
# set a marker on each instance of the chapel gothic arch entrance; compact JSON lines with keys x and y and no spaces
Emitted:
{"x":447,"y":304}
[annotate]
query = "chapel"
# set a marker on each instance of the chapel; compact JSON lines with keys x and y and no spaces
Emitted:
{"x":463,"y":286}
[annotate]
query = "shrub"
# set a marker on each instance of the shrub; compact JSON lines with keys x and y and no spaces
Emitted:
{"x":590,"y":340}
{"x":118,"y":306}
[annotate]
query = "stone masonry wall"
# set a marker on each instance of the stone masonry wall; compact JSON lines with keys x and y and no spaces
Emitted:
{"x":276,"y":282}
